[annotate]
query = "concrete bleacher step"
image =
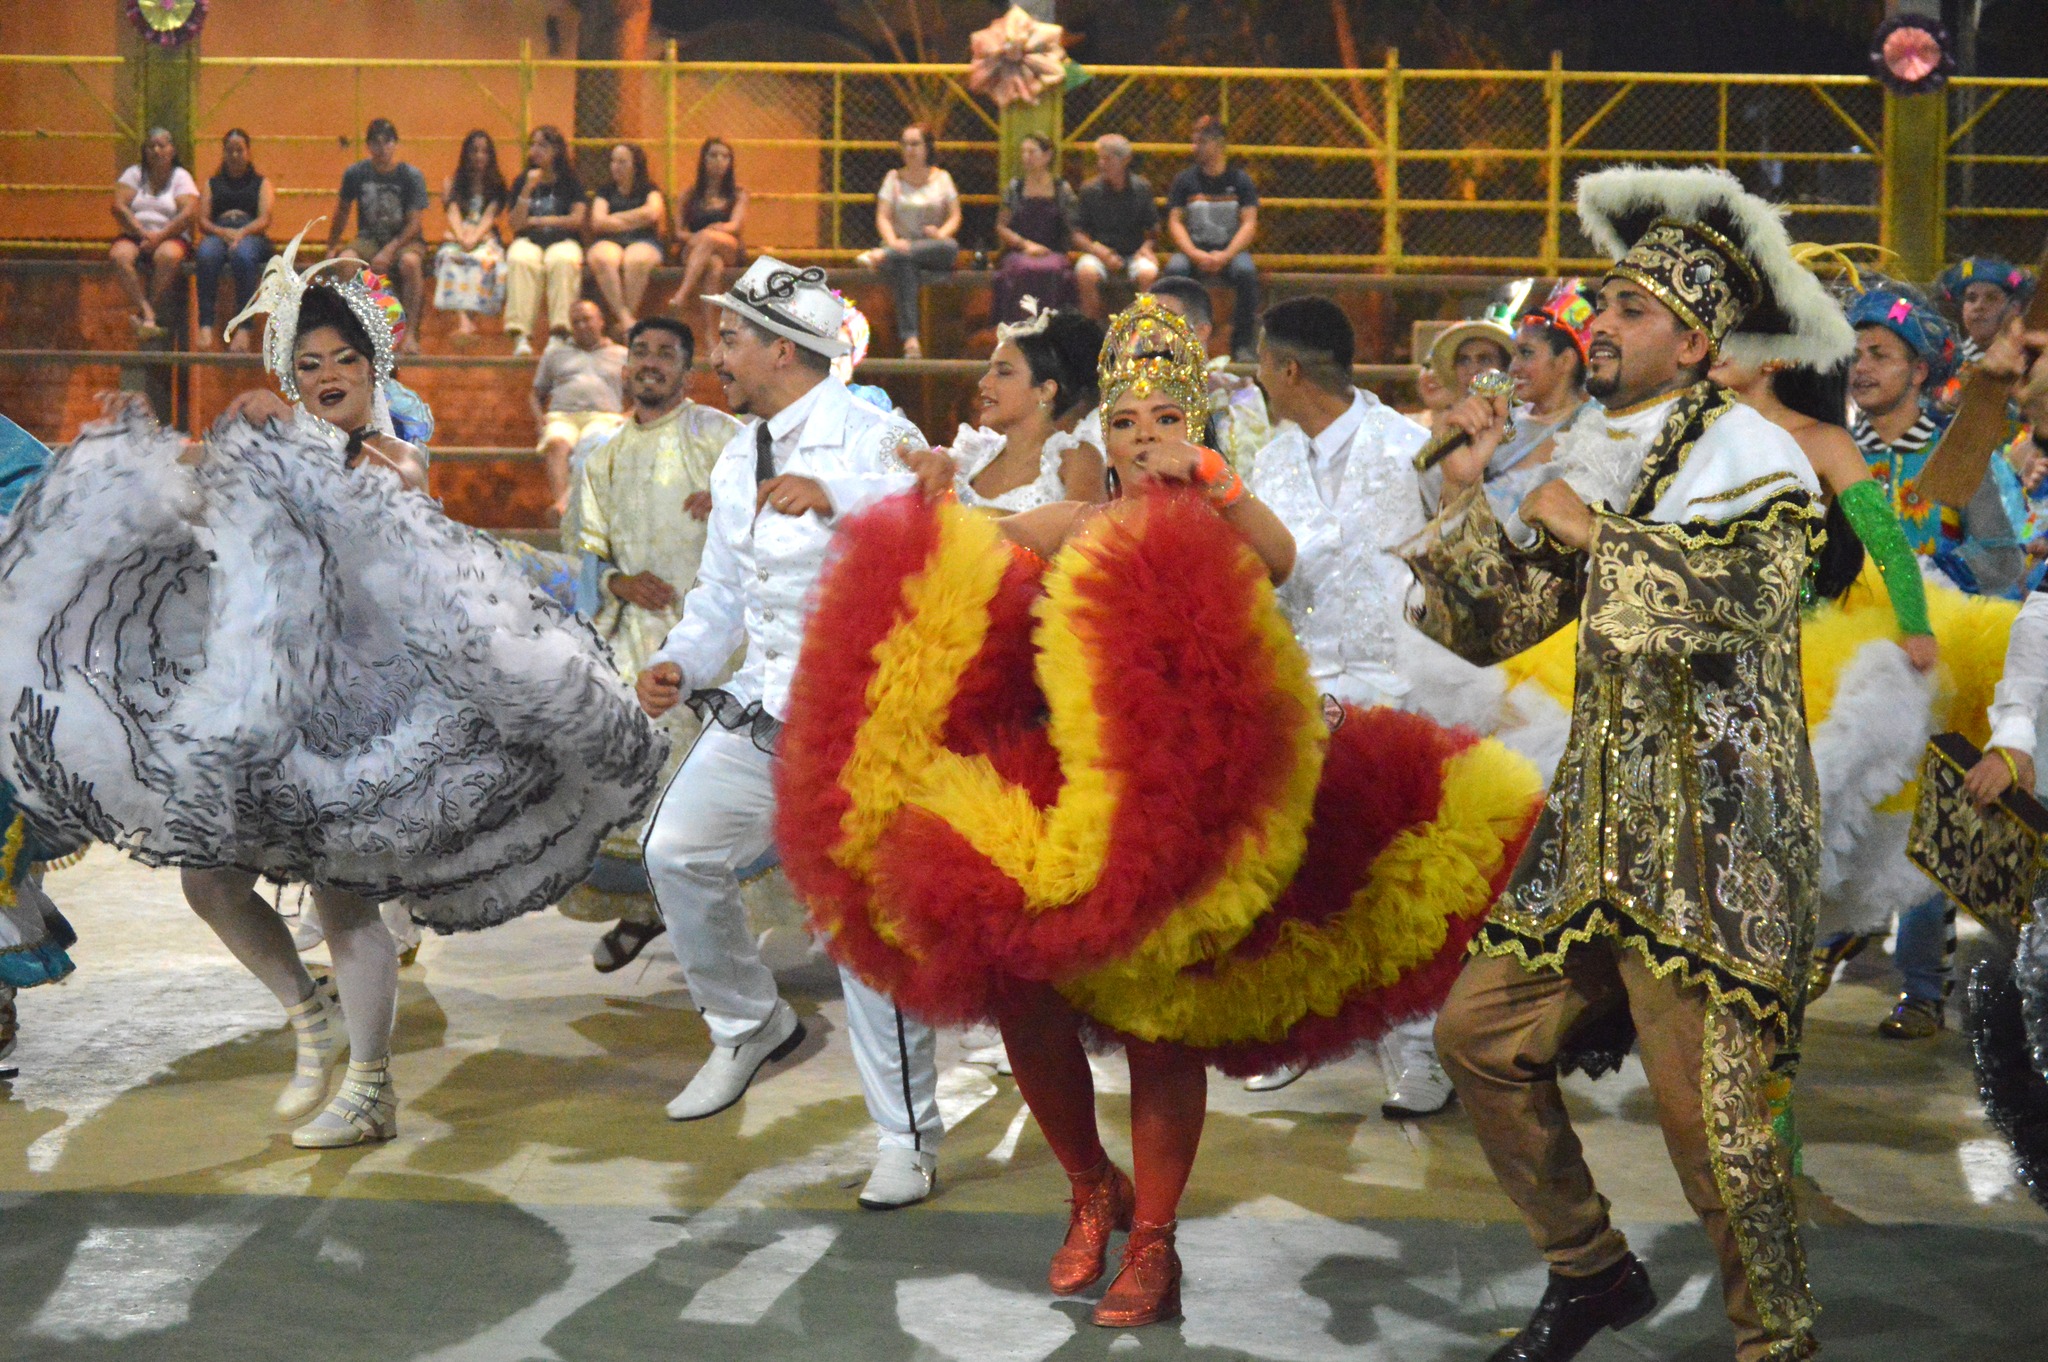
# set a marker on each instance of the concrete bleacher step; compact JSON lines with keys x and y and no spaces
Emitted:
{"x":68,"y":340}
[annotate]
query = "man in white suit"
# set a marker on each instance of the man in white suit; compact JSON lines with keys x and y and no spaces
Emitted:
{"x":813,"y":454}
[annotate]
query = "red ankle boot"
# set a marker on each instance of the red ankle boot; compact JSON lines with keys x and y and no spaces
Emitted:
{"x":1102,"y":1205}
{"x":1147,"y":1286}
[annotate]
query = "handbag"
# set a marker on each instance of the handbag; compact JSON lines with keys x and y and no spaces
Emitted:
{"x":1989,"y":860}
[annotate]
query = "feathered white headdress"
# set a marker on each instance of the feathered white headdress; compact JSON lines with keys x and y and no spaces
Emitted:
{"x":1720,"y":257}
{"x":281,"y":291}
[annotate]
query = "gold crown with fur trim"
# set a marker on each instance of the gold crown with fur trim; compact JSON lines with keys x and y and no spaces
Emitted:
{"x":1719,"y":257}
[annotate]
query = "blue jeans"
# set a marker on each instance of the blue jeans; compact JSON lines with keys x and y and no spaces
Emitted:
{"x":1243,"y":277}
{"x":1926,"y":931}
{"x":245,"y":260}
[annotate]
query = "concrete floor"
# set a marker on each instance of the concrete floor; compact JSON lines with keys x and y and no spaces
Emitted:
{"x":536,"y":1204}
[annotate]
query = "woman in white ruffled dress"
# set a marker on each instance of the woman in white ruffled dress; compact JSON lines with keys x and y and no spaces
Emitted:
{"x":1035,"y":401}
{"x":269,"y":654}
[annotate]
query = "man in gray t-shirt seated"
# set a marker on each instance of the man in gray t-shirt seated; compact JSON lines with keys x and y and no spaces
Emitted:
{"x":1212,"y":214}
{"x":387,"y":197}
{"x":579,"y":388}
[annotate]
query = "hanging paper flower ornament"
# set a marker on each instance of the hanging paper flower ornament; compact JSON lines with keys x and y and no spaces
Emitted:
{"x":1909,"y":55}
{"x":1016,"y":59}
{"x":167,"y":23}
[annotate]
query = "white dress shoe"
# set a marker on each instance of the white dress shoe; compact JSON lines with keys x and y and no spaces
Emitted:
{"x":306,"y":931}
{"x":1416,"y":1086}
{"x":902,"y":1177}
{"x":993,"y":1056}
{"x":724,"y":1078}
{"x":1273,"y":1079}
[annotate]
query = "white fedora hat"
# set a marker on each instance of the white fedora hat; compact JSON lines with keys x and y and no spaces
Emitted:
{"x":788,"y":302}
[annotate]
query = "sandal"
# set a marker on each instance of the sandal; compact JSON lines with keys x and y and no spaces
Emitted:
{"x":620,"y":946}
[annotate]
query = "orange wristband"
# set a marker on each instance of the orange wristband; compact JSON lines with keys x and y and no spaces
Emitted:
{"x":1219,"y":479}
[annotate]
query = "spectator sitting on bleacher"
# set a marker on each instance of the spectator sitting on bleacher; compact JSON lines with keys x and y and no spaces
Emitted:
{"x":1115,"y":227}
{"x":545,"y":258}
{"x":234,"y":214}
{"x":1239,"y":424}
{"x":917,"y":215}
{"x":388,"y":197}
{"x":579,"y":384}
{"x":708,"y":226}
{"x":1212,"y":214}
{"x":1035,"y":225}
{"x":155,"y":201}
{"x":469,"y":269}
{"x":628,"y":223}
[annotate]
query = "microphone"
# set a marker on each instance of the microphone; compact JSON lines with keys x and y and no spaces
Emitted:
{"x":1490,"y":383}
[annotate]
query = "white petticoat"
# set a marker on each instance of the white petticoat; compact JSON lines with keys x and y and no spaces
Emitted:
{"x":272,"y":662}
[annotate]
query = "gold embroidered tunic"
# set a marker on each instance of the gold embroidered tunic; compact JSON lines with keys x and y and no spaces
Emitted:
{"x":629,"y":514}
{"x":1684,"y":817}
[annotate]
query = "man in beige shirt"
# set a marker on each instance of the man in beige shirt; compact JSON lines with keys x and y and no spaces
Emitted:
{"x":640,"y":505}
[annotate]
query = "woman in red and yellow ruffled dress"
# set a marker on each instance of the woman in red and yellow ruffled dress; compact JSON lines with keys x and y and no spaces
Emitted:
{"x":1065,"y":770}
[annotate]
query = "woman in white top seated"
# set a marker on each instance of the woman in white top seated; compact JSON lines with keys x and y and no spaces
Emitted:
{"x":917,"y":216}
{"x":156,"y":202}
{"x":1040,"y":383}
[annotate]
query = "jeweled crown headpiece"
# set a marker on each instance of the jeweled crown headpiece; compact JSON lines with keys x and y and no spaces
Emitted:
{"x":1151,"y":348}
{"x":282,"y":290}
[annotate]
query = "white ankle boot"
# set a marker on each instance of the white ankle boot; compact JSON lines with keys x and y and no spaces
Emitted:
{"x":365,"y":1109}
{"x":317,"y":1025}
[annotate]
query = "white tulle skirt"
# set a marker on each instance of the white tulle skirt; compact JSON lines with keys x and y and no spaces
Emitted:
{"x":269,"y":661}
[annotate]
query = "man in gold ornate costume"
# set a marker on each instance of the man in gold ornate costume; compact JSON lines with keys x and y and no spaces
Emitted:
{"x":637,"y":517}
{"x":1669,"y":881}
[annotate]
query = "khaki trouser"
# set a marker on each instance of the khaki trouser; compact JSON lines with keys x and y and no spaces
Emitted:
{"x":530,"y":271}
{"x":1498,"y":1037}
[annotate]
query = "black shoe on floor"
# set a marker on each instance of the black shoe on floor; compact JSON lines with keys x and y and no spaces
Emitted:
{"x":622,"y":945}
{"x":1574,"y":1309}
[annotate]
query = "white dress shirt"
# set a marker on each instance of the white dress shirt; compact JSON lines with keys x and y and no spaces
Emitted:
{"x":754,"y":583}
{"x":1349,"y":497}
{"x":2016,"y":702}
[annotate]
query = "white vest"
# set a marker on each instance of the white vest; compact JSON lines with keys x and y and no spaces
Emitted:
{"x":755,"y":582}
{"x":1345,"y":597}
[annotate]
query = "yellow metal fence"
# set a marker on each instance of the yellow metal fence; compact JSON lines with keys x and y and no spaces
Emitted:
{"x":1386,"y":168}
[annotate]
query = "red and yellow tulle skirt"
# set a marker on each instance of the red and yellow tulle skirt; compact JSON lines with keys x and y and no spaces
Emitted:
{"x":1110,"y":775}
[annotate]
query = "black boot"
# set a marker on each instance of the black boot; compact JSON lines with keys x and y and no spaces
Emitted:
{"x":1574,"y":1309}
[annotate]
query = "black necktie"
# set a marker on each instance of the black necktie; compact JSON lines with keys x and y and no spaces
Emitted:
{"x":764,"y":454}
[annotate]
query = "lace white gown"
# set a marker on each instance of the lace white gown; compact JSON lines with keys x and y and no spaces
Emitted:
{"x":976,"y":447}
{"x":270,"y":661}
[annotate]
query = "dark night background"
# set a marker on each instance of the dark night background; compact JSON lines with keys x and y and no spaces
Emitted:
{"x":1811,"y":36}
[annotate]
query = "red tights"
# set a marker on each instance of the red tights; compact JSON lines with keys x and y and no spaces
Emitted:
{"x":1169,"y":1096}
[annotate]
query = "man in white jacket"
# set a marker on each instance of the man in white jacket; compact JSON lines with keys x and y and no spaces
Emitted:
{"x":813,"y":455}
{"x":1340,"y":475}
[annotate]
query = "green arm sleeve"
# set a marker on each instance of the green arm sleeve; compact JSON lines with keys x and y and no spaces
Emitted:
{"x":1870,"y":514}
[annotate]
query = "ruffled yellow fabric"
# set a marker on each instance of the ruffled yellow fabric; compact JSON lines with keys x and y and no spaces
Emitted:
{"x":1971,"y":630}
{"x":918,"y":670}
{"x":1265,"y":859}
{"x":1399,"y":920}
